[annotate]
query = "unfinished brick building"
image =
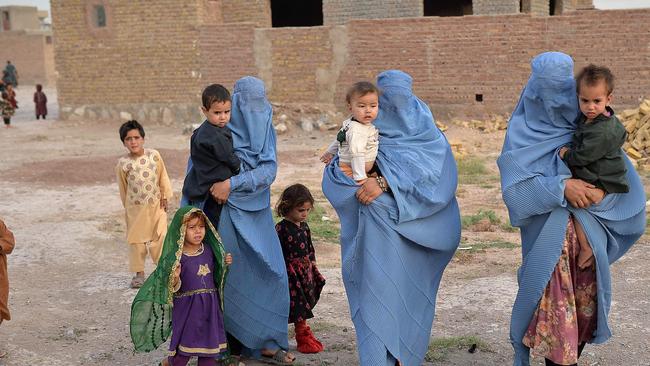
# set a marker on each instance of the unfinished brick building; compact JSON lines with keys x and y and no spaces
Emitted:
{"x":151,"y":60}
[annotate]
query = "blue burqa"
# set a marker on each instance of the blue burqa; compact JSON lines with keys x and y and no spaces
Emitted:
{"x":533,"y":179}
{"x":256,"y":295}
{"x":395,"y":249}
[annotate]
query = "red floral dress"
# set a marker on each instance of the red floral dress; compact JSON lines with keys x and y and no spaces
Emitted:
{"x":305,"y":281}
{"x":566,"y":315}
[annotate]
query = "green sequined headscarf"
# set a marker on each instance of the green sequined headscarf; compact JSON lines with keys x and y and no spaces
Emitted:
{"x":151,"y":311}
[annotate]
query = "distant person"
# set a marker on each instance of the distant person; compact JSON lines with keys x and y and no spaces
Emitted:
{"x":305,"y":281}
{"x":145,"y":190}
{"x":10,"y":75}
{"x":186,"y":288}
{"x":211,"y":151}
{"x":11,"y":93}
{"x":40,"y":101}
{"x":357,"y":140}
{"x":7,"y":109}
{"x":7,"y":243}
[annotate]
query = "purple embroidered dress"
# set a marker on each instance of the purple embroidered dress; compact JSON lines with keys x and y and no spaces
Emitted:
{"x":197,"y":321}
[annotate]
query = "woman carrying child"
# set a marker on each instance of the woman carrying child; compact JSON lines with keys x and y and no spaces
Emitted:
{"x":305,"y":281}
{"x":399,"y":230}
{"x":256,"y":293}
{"x":186,"y":288}
{"x":559,"y":306}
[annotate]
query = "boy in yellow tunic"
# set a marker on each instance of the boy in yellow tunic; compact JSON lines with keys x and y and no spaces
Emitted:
{"x":145,"y":190}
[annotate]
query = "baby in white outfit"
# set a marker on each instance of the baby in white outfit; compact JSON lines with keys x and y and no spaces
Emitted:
{"x":358,"y":140}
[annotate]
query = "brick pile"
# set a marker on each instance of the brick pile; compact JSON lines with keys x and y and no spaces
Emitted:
{"x":637,"y":125}
{"x":496,"y":123}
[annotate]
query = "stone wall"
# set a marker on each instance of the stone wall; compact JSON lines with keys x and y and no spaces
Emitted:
{"x":32,"y":55}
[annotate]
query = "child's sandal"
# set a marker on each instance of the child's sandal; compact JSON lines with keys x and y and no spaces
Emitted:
{"x":278,"y":358}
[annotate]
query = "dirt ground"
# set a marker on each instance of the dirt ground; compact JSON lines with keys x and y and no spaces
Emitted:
{"x":69,"y":294}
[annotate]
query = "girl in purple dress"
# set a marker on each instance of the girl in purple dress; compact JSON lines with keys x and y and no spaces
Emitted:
{"x":186,"y":287}
{"x":305,"y":281}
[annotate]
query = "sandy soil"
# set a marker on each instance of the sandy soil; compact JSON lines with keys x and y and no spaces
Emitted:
{"x":69,"y":292}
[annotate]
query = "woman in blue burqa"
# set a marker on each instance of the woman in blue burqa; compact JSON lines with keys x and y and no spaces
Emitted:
{"x":396,"y":244}
{"x":564,"y":281}
{"x":256,"y":295}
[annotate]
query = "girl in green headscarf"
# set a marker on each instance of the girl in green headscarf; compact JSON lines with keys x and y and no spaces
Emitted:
{"x":183,"y":295}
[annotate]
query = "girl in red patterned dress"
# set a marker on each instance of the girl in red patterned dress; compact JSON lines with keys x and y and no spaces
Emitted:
{"x":305,"y":281}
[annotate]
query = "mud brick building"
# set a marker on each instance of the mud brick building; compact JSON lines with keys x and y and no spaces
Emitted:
{"x":150,"y":60}
{"x":27,"y":42}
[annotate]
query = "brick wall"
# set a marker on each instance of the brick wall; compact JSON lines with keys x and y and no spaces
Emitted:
{"x":341,"y":11}
{"x":30,"y":54}
{"x":146,"y":53}
{"x":452,"y":59}
{"x":494,"y":7}
{"x":257,"y":12}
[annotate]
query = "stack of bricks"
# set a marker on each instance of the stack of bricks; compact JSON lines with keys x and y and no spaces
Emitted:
{"x":637,"y":125}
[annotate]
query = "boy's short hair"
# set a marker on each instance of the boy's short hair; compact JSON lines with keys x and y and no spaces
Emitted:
{"x":5,"y":95}
{"x":39,"y":87}
{"x":592,"y":74}
{"x":361,"y":88}
{"x":128,"y":126}
{"x":214,"y":93}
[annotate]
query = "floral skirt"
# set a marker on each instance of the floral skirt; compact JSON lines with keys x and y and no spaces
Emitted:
{"x":566,"y":314}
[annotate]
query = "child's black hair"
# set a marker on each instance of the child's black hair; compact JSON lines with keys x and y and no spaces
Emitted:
{"x":128,"y":126}
{"x":293,"y":196}
{"x":592,"y":74}
{"x":39,"y":87}
{"x":361,"y":88}
{"x":5,"y":95}
{"x":214,"y":93}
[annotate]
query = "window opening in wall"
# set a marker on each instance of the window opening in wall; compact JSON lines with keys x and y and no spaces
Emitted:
{"x":6,"y":23}
{"x":99,"y":16}
{"x":554,"y":7}
{"x":447,"y":8}
{"x":48,"y":39}
{"x":291,"y":13}
{"x":478,"y":97}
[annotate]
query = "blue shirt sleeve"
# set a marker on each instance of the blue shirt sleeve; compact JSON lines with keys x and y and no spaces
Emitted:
{"x":252,"y":180}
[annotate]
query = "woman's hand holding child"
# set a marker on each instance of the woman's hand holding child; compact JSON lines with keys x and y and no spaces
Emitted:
{"x":228,"y":259}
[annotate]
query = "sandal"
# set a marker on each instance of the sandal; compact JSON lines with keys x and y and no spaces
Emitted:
{"x":278,"y":358}
{"x":137,"y":281}
{"x":232,"y":361}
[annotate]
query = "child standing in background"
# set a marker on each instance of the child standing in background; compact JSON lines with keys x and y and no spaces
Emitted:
{"x":7,"y":243}
{"x":305,"y":281}
{"x":145,"y":190}
{"x":6,"y":109}
{"x":40,"y":100}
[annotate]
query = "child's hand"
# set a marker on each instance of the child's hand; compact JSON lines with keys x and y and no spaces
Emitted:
{"x":163,"y":203}
{"x":563,"y":151}
{"x":228,"y":259}
{"x":327,"y":157}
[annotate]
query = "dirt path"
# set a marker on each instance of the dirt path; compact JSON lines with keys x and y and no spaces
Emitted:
{"x":70,"y":299}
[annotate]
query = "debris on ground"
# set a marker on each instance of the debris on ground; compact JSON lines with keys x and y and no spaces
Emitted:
{"x":637,"y":125}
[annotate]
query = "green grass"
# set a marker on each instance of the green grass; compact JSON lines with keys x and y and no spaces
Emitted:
{"x":439,"y":348}
{"x":469,"y":220}
{"x":472,"y":170}
{"x":481,"y":246}
{"x":326,"y":230}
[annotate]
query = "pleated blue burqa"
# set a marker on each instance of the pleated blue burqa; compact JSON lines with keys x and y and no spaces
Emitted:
{"x":395,"y":249}
{"x":256,"y":295}
{"x":533,"y":180}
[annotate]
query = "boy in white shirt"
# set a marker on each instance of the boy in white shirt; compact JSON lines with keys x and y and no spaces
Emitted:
{"x":358,"y":140}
